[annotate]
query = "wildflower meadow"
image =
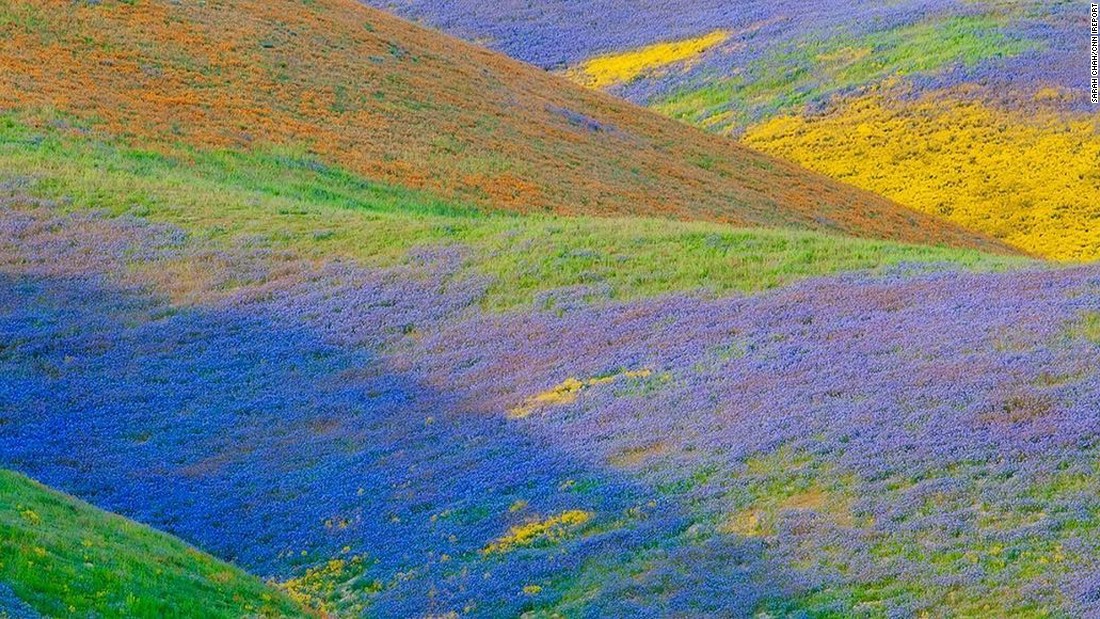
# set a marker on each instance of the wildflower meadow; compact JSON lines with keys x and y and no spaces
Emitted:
{"x":320,"y":309}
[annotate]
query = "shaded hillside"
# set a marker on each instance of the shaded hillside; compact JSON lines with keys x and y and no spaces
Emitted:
{"x":400,"y":103}
{"x":62,"y":557}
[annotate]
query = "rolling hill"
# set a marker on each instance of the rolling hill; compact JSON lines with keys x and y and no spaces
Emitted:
{"x":977,"y":112}
{"x":60,"y":557}
{"x":402,"y":104}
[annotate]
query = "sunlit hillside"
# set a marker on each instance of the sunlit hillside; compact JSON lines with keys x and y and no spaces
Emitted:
{"x":976,"y":112}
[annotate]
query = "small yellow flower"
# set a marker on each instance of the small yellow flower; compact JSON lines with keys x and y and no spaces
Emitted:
{"x":551,"y":529}
{"x":567,"y":391}
{"x":31,"y":516}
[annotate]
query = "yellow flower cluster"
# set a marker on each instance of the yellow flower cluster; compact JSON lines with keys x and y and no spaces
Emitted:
{"x":609,"y":69}
{"x":321,"y":585}
{"x":30,"y":515}
{"x":551,"y":529}
{"x":566,"y":392}
{"x":316,"y":585}
{"x":1031,"y":182}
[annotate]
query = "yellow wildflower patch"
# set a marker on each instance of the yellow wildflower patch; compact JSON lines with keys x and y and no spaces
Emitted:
{"x":316,"y":585}
{"x":1053,"y":94}
{"x":603,"y":71}
{"x":566,"y":392}
{"x":745,"y":524}
{"x":1030,"y":182}
{"x":321,"y":585}
{"x":30,"y":516}
{"x":552,"y":529}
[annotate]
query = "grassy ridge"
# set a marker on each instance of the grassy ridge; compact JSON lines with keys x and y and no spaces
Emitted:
{"x":66,"y":558}
{"x":288,"y":199}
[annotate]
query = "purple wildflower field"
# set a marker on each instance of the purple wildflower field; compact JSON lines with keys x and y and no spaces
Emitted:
{"x":883,"y":445}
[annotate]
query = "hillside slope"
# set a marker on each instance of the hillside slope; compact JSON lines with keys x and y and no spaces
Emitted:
{"x":370,"y":435}
{"x":296,"y":203}
{"x":976,"y":112}
{"x":62,"y":557}
{"x":403,"y":104}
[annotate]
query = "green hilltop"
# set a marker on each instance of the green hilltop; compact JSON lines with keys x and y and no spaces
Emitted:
{"x":65,"y":558}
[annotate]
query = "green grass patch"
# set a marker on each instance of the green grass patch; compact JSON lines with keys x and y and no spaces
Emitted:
{"x":65,"y":558}
{"x":288,"y":199}
{"x":926,"y":47}
{"x":1088,"y":328}
{"x":794,"y":76}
